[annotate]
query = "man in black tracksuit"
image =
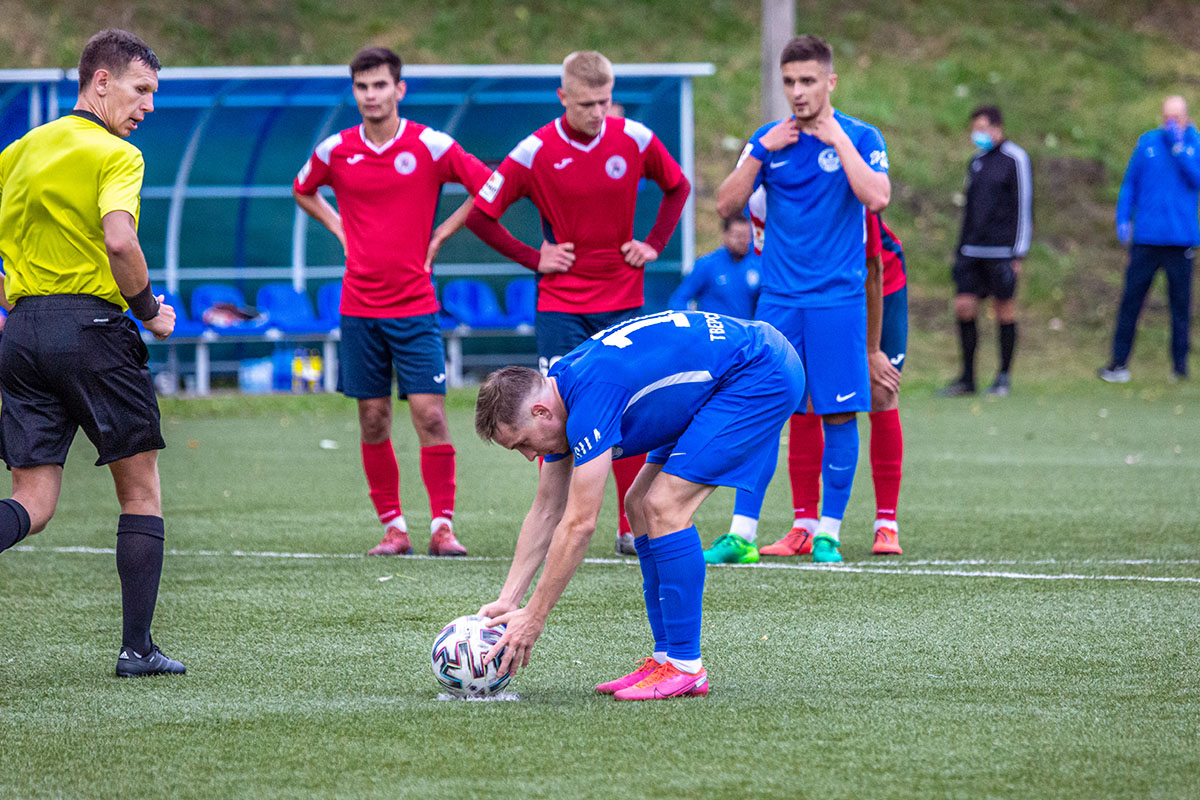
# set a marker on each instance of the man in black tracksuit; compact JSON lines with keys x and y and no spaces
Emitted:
{"x":996,"y":230}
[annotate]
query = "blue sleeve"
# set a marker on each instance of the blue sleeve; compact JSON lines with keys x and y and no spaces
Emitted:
{"x":1125,"y":207}
{"x":1187,"y":156}
{"x":594,"y":421}
{"x":754,"y":137}
{"x":693,"y":284}
{"x":873,"y":149}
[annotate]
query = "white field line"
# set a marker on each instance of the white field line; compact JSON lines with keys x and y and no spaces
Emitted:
{"x":901,"y":568}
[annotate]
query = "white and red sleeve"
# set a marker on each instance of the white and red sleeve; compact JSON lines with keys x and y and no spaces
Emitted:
{"x":315,"y":172}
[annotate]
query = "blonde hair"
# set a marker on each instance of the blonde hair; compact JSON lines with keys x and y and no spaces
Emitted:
{"x":588,"y":67}
{"x":501,"y":398}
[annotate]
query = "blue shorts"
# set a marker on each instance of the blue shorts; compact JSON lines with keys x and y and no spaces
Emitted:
{"x":832,"y":343}
{"x":894,"y":336}
{"x":372,"y":348}
{"x":558,"y":332}
{"x":731,"y":438}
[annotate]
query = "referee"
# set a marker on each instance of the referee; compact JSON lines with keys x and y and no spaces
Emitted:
{"x":69,"y":358}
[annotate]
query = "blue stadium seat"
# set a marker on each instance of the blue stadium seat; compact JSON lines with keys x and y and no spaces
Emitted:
{"x":520,"y":300}
{"x":329,"y":304}
{"x":288,"y":309}
{"x":473,"y":303}
{"x":184,"y":324}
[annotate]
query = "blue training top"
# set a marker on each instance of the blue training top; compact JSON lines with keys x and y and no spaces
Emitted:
{"x":721,"y":285}
{"x":1161,"y":190}
{"x":637,"y":385}
{"x":815,"y":250}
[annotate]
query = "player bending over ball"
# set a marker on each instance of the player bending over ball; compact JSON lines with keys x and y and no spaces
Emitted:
{"x":704,"y":397}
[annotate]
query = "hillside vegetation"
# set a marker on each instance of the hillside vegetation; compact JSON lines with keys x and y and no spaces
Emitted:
{"x":1078,"y":81}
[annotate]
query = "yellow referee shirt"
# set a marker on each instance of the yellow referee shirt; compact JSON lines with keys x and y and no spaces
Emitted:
{"x":56,"y":184}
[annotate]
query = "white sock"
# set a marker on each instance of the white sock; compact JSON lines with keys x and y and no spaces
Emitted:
{"x":828,"y":526}
{"x":745,"y":527}
{"x":688,"y":665}
{"x":396,"y":522}
{"x":660,"y":656}
{"x":886,"y":523}
{"x":439,"y":522}
{"x":807,"y":523}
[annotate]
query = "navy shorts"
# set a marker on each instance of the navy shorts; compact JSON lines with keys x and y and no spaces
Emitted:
{"x":372,"y":348}
{"x":985,"y":277}
{"x":735,"y":433}
{"x":832,"y":344}
{"x":558,"y":332}
{"x":894,"y":337}
{"x":69,"y":362}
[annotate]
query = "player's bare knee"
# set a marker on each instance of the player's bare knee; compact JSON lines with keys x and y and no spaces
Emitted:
{"x":884,"y":399}
{"x":375,"y":420}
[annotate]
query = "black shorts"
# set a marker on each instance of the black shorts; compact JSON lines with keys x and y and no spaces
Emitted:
{"x":72,"y":361}
{"x":985,"y":277}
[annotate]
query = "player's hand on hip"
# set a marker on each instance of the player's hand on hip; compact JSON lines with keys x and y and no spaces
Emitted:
{"x":1016,"y":267}
{"x":784,"y":133}
{"x":556,"y":257}
{"x":884,"y":376}
{"x":163,"y":323}
{"x":435,"y":244}
{"x":496,"y":608}
{"x":638,"y":254}
{"x":521,"y":630}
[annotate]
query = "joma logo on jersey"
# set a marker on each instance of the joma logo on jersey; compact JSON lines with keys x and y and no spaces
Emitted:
{"x":879,"y":159}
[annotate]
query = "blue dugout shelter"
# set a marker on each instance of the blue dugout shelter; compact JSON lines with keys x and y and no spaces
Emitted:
{"x":224,"y":143}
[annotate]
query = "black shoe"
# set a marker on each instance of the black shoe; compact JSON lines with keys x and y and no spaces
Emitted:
{"x":959,"y":388}
{"x":132,"y":665}
{"x":1001,"y":386}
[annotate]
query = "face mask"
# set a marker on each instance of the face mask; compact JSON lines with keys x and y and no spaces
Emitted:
{"x":982,"y":140}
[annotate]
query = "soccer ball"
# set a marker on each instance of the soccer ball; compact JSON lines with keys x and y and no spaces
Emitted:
{"x":457,"y":657}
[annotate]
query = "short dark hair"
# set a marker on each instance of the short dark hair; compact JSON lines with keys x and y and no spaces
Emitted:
{"x":501,"y":397}
{"x":729,"y":222}
{"x":372,"y":57}
{"x":994,"y":117}
{"x":114,"y":50}
{"x":808,"y":48}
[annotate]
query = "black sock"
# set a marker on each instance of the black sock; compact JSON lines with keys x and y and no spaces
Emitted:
{"x":14,"y":523}
{"x":1008,"y":343}
{"x":968,"y":335}
{"x":139,"y":563}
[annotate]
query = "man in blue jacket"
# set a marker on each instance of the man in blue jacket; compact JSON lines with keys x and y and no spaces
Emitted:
{"x":726,"y":280}
{"x":1158,"y":214}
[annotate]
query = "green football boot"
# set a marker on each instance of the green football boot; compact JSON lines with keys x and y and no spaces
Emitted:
{"x":731,"y":549}
{"x":825,"y":550}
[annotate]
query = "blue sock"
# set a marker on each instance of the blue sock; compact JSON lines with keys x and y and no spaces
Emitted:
{"x":650,"y":590}
{"x":680,"y":560}
{"x":750,"y":503}
{"x":838,"y":465}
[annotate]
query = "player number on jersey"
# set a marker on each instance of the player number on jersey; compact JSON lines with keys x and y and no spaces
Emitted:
{"x":619,"y":336}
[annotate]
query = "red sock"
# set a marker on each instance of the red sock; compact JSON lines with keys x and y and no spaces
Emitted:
{"x":887,"y":458}
{"x":625,"y":470}
{"x":806,"y":445}
{"x":383,"y":479}
{"x":437,"y":470}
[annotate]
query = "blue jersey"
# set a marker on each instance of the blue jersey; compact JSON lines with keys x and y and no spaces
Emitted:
{"x":720,"y":284}
{"x":636,"y":386}
{"x":1161,"y":189}
{"x":815,"y":255}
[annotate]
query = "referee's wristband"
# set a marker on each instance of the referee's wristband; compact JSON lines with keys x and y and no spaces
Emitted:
{"x":144,"y":304}
{"x":760,"y":152}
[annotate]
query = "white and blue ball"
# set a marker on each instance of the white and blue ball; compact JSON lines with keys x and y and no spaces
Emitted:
{"x":458,"y":654}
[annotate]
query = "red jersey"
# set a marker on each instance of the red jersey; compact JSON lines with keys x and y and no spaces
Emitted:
{"x":882,"y":242}
{"x":587,"y":195}
{"x":387,"y":196}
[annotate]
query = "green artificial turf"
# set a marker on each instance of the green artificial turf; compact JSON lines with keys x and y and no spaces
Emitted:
{"x":966,"y":668}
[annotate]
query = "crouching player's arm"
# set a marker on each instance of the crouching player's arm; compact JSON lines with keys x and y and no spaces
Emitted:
{"x":534,"y":540}
{"x":567,"y":549}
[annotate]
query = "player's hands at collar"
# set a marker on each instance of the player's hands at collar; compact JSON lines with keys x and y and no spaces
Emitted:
{"x":827,"y":129}
{"x":638,"y":254}
{"x":556,"y":257}
{"x":785,"y":132}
